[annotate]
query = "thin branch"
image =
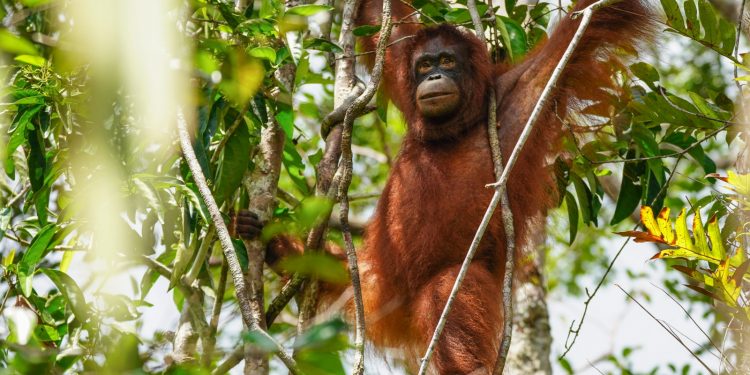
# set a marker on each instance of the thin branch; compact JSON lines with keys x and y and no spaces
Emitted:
{"x":18,"y":196}
{"x":705,"y":334}
{"x":226,"y":242}
{"x":500,"y":185}
{"x":417,"y":11}
{"x":234,"y":359}
{"x":658,"y":321}
{"x":399,"y":40}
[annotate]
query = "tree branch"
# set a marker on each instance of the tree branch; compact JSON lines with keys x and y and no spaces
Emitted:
{"x":251,"y":323}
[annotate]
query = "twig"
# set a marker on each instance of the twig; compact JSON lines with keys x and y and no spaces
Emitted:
{"x":417,"y":11}
{"x":705,"y":334}
{"x":226,"y":242}
{"x":18,"y":196}
{"x":399,"y":40}
{"x":234,"y":359}
{"x":668,"y":330}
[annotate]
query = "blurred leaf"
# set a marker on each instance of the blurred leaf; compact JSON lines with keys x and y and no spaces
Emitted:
{"x":321,"y":44}
{"x":309,"y":9}
{"x":265,"y":53}
{"x":319,"y":265}
{"x":66,"y":259}
{"x":366,"y":30}
{"x":312,"y":211}
{"x":123,"y":356}
{"x":14,"y":44}
{"x":31,"y":60}
{"x":35,"y":3}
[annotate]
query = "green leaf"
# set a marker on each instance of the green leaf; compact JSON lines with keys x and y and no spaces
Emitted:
{"x":241,"y":251}
{"x":505,"y":37}
{"x":693,"y":26}
{"x":460,"y":15}
{"x":295,"y":167}
{"x":728,"y":35}
{"x":265,"y":53}
{"x":308,"y":10}
{"x":71,"y":291}
{"x":366,"y":30}
{"x":320,"y":44}
{"x":14,"y":44}
{"x":235,"y":160}
{"x":570,"y":203}
{"x":319,"y":265}
{"x":31,"y":60}
{"x":630,"y":195}
{"x":709,"y":23}
{"x":647,"y":73}
{"x":312,"y":211}
{"x":674,"y":16}
{"x":517,"y":36}
{"x":181,"y":262}
{"x":584,"y":198}
{"x":35,"y":3}
{"x":33,"y":255}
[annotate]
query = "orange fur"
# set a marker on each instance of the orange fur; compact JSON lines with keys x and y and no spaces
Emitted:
{"x":435,"y":197}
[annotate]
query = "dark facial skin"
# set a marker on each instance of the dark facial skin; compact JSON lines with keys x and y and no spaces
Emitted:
{"x":437,"y":70}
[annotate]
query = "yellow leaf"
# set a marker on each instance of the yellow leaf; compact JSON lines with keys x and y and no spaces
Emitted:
{"x":683,"y":236}
{"x":665,"y":226}
{"x":682,"y":254}
{"x":8,"y":260}
{"x":740,"y":182}
{"x":717,"y":243}
{"x":641,"y":236}
{"x":66,"y":259}
{"x":699,"y":234}
{"x":647,"y":218}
